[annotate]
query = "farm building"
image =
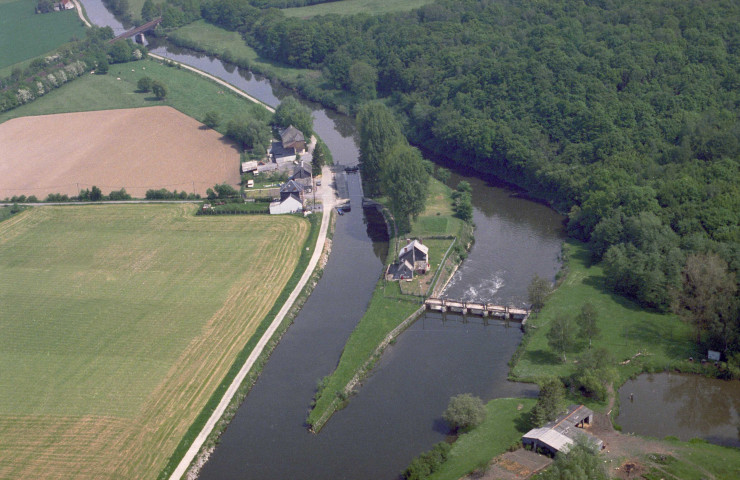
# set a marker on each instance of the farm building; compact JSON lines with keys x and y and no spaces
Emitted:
{"x":289,"y":205}
{"x":564,"y":431}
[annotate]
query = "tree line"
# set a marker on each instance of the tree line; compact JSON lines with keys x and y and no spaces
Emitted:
{"x":68,"y":62}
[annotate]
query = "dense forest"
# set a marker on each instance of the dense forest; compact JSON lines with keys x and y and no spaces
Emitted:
{"x":623,"y":113}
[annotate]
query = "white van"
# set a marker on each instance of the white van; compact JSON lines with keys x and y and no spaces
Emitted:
{"x":250,"y":183}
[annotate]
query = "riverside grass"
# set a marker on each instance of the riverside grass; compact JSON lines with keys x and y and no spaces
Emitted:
{"x":661,"y":340}
{"x":120,"y":322}
{"x":506,"y":421}
{"x":187,"y":92}
{"x":209,"y":38}
{"x":388,"y":308}
{"x":19,"y":32}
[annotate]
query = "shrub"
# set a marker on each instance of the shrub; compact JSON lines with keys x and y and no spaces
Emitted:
{"x":428,"y":462}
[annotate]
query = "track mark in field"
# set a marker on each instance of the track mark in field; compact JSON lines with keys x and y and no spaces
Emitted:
{"x":205,"y":285}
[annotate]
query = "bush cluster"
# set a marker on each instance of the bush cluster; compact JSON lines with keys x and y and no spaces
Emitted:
{"x":428,"y":462}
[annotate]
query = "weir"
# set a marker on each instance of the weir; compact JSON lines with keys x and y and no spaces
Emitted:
{"x":475,"y":308}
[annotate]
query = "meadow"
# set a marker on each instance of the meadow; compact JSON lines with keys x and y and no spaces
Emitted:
{"x":20,"y":27}
{"x":351,"y":7}
{"x":120,"y":322}
{"x":506,"y":421}
{"x":186,"y":91}
{"x":640,"y":338}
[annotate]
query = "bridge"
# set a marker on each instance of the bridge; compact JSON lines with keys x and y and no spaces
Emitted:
{"x":138,"y":30}
{"x":475,"y":308}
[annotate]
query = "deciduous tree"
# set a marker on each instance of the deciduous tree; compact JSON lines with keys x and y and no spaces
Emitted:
{"x":464,"y":412}
{"x":211,"y":119}
{"x":550,"y":402}
{"x":708,"y":297}
{"x":406,"y":182}
{"x":159,"y":90}
{"x":380,"y":132}
{"x":293,"y":112}
{"x":538,"y":290}
{"x":586,"y":320}
{"x":562,"y":334}
{"x":144,"y":84}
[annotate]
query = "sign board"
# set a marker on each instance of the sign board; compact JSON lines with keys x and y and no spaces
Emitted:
{"x":712,"y":355}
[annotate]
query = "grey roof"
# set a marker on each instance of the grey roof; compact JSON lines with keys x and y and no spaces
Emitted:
{"x":301,"y":171}
{"x":291,"y":135}
{"x":291,"y":186}
{"x":562,"y":432}
{"x":277,"y":150}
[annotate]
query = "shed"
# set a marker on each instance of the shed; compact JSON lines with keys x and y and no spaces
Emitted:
{"x":288,"y":205}
{"x":249,"y":166}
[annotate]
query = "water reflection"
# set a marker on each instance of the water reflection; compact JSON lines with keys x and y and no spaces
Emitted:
{"x":682,"y":405}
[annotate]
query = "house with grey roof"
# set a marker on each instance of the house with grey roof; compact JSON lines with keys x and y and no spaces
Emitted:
{"x":293,"y":138}
{"x":563,"y":432}
{"x":412,"y":259}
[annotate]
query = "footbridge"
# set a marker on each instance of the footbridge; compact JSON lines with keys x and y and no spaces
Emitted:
{"x":150,"y":25}
{"x":475,"y":308}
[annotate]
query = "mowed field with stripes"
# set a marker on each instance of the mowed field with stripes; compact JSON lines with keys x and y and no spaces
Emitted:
{"x":118,"y":322}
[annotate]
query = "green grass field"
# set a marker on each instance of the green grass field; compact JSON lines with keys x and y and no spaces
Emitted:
{"x":118,"y":323}
{"x":506,"y":422}
{"x":694,"y":460}
{"x":187,"y":92}
{"x":626,"y":329}
{"x":25,"y":34}
{"x":351,"y":7}
{"x":218,"y":40}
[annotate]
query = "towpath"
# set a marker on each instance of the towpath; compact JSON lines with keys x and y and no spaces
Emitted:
{"x":215,"y":79}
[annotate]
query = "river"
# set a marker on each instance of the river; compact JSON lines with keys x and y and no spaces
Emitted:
{"x":397,"y":413}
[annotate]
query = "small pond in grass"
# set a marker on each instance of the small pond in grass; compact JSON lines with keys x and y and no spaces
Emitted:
{"x":681,"y":405}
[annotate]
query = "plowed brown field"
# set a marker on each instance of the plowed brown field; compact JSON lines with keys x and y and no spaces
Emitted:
{"x":136,"y":149}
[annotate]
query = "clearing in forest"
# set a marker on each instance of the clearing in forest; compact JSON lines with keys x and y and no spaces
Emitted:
{"x":118,"y":322}
{"x":137,"y":149}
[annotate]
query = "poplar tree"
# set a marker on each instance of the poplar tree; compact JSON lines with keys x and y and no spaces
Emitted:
{"x":380,"y":132}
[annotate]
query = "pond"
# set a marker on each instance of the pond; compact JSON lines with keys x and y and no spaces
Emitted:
{"x":682,"y":405}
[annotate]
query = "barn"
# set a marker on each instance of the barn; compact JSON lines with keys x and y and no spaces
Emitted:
{"x":560,"y":434}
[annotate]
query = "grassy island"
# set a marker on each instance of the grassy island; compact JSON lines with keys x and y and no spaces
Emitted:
{"x":392,"y":303}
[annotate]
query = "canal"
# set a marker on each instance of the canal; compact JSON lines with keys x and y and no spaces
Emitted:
{"x":397,"y":412}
